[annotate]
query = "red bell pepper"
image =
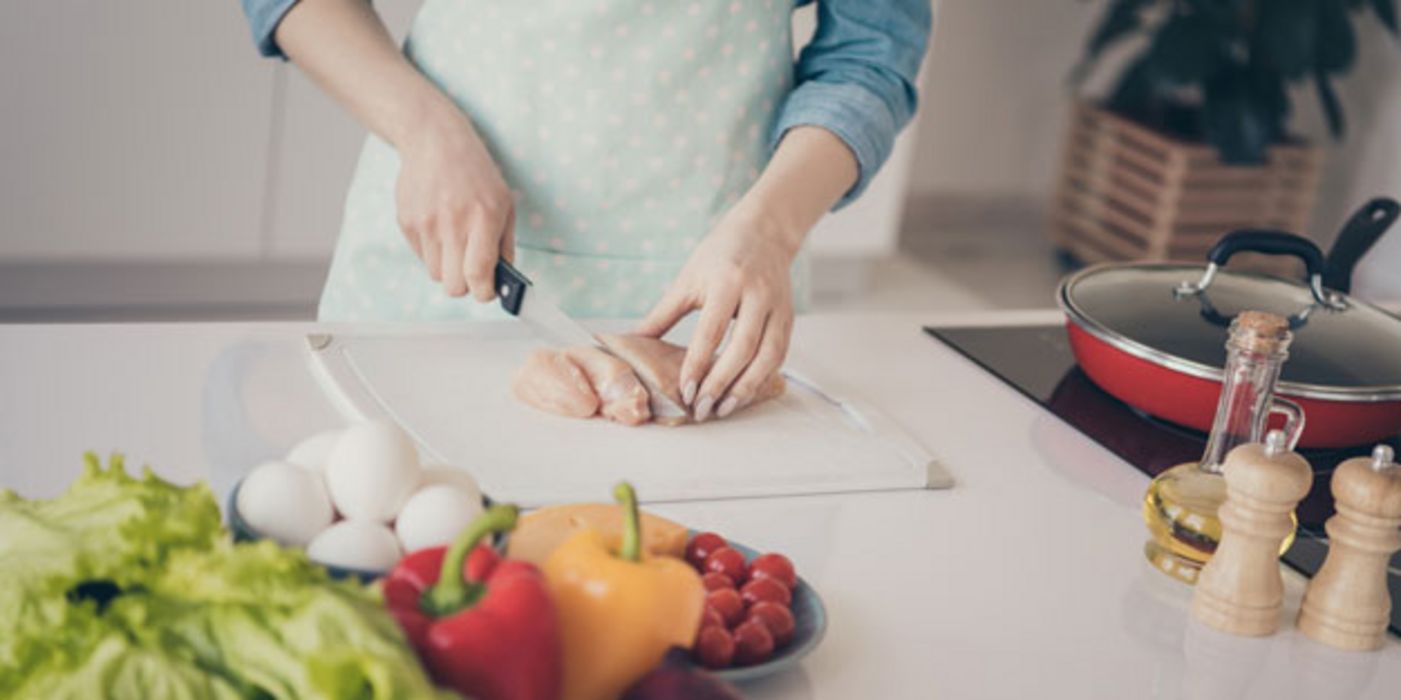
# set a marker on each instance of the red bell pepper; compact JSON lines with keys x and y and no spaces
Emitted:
{"x":484,"y":626}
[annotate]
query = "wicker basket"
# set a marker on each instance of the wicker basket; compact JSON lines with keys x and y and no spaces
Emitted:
{"x":1129,"y":193}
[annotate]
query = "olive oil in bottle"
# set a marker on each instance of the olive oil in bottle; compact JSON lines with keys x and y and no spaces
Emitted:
{"x":1181,"y":503}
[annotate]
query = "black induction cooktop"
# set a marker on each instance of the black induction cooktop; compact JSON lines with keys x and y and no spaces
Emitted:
{"x":1038,"y":362}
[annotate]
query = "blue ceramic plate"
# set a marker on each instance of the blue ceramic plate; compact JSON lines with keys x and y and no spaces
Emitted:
{"x":809,"y":615}
{"x":810,"y":619}
{"x":242,"y":532}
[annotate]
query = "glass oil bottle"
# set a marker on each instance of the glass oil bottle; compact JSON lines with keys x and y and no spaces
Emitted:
{"x":1181,"y":503}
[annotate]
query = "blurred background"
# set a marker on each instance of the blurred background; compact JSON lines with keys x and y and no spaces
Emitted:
{"x":152,"y":167}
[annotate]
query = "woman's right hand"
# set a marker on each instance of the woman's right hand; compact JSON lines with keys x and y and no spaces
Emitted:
{"x":454,"y":207}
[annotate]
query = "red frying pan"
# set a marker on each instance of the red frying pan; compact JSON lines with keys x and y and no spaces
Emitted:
{"x":1154,"y":334}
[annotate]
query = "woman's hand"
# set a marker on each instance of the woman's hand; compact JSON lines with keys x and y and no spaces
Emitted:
{"x":454,"y":207}
{"x":740,"y":272}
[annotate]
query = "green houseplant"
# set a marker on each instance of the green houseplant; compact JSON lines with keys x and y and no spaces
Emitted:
{"x":1218,"y":71}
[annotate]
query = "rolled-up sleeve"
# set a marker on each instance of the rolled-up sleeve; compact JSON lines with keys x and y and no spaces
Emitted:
{"x":263,"y":18}
{"x":856,"y":78}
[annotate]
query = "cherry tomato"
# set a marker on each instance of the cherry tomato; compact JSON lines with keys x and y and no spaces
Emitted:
{"x":714,"y":581}
{"x":727,"y":602}
{"x":766,"y":589}
{"x":712,"y":618}
{"x":729,"y":562}
{"x":753,"y":643}
{"x":701,"y":546}
{"x":715,"y":648}
{"x":776,"y":567}
{"x":777,"y":618}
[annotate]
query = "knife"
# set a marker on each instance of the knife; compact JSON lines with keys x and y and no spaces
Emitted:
{"x":520,"y":299}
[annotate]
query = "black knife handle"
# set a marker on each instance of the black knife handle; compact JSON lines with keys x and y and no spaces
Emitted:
{"x":511,"y":286}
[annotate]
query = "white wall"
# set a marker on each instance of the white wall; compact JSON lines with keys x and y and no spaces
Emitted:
{"x":996,"y":100}
{"x":1370,"y":163}
{"x":119,"y":133}
{"x":995,"y":97}
{"x":1365,"y":164}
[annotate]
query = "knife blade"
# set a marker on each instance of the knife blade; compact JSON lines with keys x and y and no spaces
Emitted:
{"x":520,"y":298}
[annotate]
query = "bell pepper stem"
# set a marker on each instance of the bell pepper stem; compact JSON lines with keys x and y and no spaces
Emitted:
{"x":453,"y":592}
{"x":631,"y":550}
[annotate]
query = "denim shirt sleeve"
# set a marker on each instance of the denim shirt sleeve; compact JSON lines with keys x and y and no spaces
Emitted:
{"x":263,"y":17}
{"x":856,"y":78}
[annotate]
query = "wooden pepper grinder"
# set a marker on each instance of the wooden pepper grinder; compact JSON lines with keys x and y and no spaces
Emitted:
{"x":1240,"y":590}
{"x":1347,"y":605}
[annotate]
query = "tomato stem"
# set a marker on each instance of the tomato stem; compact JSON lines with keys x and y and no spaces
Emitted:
{"x":453,"y":592}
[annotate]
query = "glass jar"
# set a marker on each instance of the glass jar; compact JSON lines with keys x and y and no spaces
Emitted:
{"x":1181,"y":503}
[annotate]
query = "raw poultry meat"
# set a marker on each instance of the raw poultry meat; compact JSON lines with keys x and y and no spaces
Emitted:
{"x":582,"y":382}
{"x":621,"y":396}
{"x":631,"y":380}
{"x":551,"y":381}
{"x":658,"y":365}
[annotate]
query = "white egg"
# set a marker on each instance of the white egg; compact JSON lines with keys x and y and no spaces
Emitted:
{"x":356,"y":544}
{"x":435,"y":516}
{"x":285,"y":502}
{"x":372,"y":470}
{"x":448,"y":474}
{"x":314,"y":451}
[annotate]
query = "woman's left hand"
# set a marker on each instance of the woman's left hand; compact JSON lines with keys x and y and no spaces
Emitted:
{"x":740,"y":272}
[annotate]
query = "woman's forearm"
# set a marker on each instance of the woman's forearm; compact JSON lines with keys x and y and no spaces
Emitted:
{"x":810,"y":170}
{"x":344,"y":46}
{"x":451,"y":202}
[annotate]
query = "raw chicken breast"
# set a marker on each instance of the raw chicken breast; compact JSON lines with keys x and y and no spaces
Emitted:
{"x":621,"y":396}
{"x":580,"y":383}
{"x":638,"y":381}
{"x":658,"y":365}
{"x":552,"y":382}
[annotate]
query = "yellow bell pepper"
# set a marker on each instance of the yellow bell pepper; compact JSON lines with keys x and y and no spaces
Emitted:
{"x":619,"y":611}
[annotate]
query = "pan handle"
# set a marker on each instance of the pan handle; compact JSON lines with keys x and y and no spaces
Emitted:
{"x":1356,"y":238}
{"x":1272,"y":242}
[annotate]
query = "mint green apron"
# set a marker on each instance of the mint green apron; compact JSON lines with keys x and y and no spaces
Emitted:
{"x":626,"y":128}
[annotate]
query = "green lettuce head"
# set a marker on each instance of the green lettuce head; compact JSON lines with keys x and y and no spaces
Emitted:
{"x":128,"y":587}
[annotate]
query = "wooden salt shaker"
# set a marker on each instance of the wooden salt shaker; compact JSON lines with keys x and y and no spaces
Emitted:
{"x":1240,"y":590}
{"x":1347,"y":605}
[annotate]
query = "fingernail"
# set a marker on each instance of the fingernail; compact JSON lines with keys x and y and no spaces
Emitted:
{"x":703,"y":408}
{"x":688,"y":392}
{"x":727,"y":407}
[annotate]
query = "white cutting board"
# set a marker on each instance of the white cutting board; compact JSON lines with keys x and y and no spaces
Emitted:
{"x":452,"y":392}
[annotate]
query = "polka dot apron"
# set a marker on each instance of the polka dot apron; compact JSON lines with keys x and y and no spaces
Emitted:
{"x":626,"y":128}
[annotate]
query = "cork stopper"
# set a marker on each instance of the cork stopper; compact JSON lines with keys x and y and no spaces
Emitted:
{"x":1261,"y":332}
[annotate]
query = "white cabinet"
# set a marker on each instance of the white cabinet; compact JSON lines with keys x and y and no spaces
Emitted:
{"x":1378,"y":275}
{"x":130,"y":130}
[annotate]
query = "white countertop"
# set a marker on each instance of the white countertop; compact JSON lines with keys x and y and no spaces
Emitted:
{"x":1025,"y":580}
